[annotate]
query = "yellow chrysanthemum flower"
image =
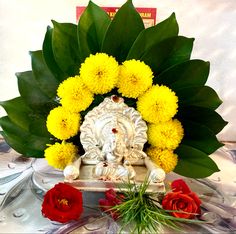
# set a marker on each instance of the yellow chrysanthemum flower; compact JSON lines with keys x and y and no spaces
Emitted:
{"x":99,"y":73}
{"x":62,"y":123}
{"x":74,"y":94}
{"x":166,"y":134}
{"x":158,"y":104}
{"x":60,"y":155}
{"x":166,"y":159}
{"x":134,"y":79}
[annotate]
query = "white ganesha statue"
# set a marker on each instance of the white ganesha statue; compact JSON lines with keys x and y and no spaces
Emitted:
{"x":113,"y":136}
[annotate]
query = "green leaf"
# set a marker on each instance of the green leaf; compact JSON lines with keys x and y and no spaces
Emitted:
{"x":23,"y":138}
{"x":21,"y":115}
{"x":205,"y":97}
{"x":122,"y":32}
{"x":49,"y":56}
{"x":132,"y":102}
{"x":37,"y":126}
{"x":65,"y":47}
{"x":16,"y":143}
{"x":32,"y":94}
{"x":204,"y":116}
{"x":187,"y":93}
{"x":17,"y":111}
{"x":91,"y":29}
{"x":167,"y":53}
{"x":200,"y":137}
{"x":153,"y":35}
{"x":187,"y":74}
{"x":47,"y":82}
{"x":193,"y":163}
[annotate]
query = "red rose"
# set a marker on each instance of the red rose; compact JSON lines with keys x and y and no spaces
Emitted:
{"x":180,"y":185}
{"x":189,"y":204}
{"x":182,"y":199}
{"x":111,"y":199}
{"x":62,"y":203}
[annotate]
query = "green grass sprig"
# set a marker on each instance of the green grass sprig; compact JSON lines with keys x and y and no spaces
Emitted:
{"x":143,"y":210}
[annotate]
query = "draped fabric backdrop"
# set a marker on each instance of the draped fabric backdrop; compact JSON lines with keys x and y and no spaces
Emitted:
{"x":211,"y":22}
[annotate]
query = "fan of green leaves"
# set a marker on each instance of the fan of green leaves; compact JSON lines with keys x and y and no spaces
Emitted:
{"x":67,"y":45}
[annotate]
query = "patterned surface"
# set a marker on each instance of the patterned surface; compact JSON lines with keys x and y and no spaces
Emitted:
{"x":24,"y":181}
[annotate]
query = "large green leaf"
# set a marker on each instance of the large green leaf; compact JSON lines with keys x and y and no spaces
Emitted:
{"x":187,"y":74}
{"x":49,"y":56}
{"x":122,"y":32}
{"x":200,"y":137}
{"x":153,"y":35}
{"x":167,"y":53}
{"x":187,"y":93}
{"x":17,"y":111}
{"x":65,"y":47}
{"x":204,"y":116}
{"x":24,"y":117}
{"x":19,"y":146}
{"x":205,"y":97}
{"x":193,"y":163}
{"x":92,"y":27}
{"x":24,"y":138}
{"x":32,"y":94}
{"x":47,"y":82}
{"x":37,"y":126}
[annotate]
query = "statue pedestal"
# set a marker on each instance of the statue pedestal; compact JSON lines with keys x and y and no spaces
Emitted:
{"x":87,"y":182}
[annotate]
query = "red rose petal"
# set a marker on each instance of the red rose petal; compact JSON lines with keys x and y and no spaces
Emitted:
{"x":195,"y":198}
{"x":111,"y":200}
{"x":180,"y":185}
{"x":110,"y":194}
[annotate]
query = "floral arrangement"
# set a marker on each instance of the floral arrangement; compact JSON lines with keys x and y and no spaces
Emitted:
{"x":151,"y":69}
{"x":136,"y":206}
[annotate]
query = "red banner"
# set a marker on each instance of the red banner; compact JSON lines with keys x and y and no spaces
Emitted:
{"x":148,"y":14}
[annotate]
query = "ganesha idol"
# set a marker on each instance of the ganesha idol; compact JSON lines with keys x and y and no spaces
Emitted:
{"x":113,"y":136}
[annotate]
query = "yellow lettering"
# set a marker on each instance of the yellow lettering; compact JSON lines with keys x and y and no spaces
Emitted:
{"x":146,"y":15}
